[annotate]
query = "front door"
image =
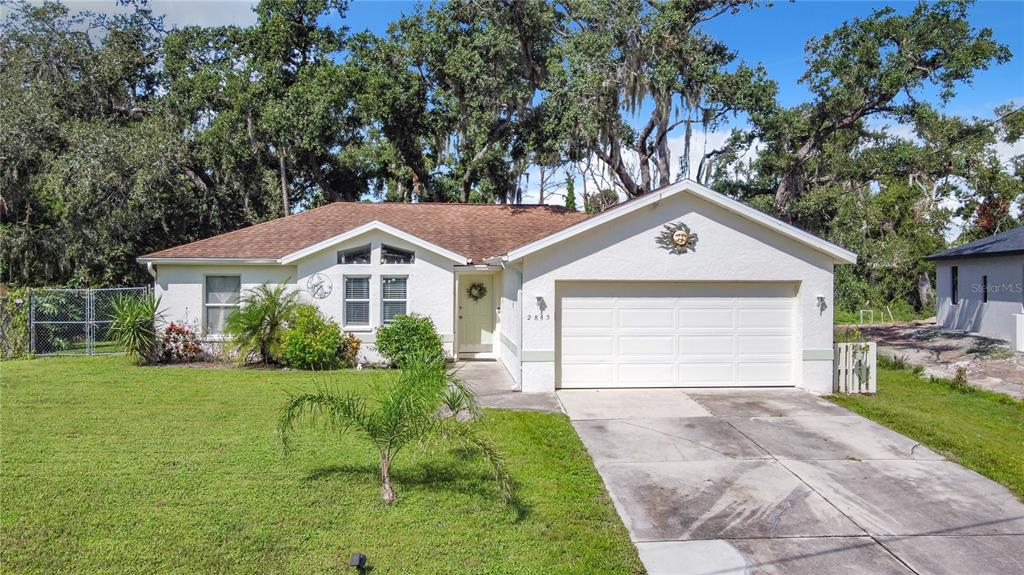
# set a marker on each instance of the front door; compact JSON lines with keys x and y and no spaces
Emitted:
{"x":476,"y":313}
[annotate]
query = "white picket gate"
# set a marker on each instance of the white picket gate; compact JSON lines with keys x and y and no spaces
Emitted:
{"x":855,"y":368}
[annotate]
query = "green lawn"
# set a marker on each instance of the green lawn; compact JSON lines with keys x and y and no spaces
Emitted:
{"x":980,"y":430}
{"x":845,"y":317}
{"x":108,"y":467}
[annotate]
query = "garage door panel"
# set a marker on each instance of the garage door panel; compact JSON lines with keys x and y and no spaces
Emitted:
{"x":765,"y":374}
{"x":588,"y":374}
{"x":631,"y":316}
{"x":765,"y":317}
{"x":765,"y":345}
{"x":646,"y":374}
{"x":631,"y":346}
{"x":706,"y":345}
{"x":589,"y":318}
{"x":706,"y":318}
{"x":660,"y":334}
{"x":587,"y":346}
{"x":706,"y":374}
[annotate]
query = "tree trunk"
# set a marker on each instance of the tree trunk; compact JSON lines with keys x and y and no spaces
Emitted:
{"x":645,"y":170}
{"x":284,"y":179}
{"x":661,"y":148}
{"x":321,"y":180}
{"x":387,"y":493}
{"x":613,"y":159}
{"x":924,"y":290}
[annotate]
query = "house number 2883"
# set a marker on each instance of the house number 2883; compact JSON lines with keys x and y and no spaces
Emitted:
{"x":538,"y":317}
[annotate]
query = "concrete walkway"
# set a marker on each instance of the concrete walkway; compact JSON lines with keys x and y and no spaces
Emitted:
{"x":782,"y":481}
{"x":494,"y":387}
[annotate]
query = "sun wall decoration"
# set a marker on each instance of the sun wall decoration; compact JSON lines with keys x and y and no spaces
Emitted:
{"x":677,"y":238}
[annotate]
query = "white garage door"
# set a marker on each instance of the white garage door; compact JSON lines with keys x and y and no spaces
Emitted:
{"x":647,"y":334}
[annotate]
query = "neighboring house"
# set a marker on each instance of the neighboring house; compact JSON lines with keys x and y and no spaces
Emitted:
{"x":682,"y":287}
{"x":980,"y":287}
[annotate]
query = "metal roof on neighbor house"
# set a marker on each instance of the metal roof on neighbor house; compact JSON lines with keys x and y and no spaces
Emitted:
{"x":1008,"y":243}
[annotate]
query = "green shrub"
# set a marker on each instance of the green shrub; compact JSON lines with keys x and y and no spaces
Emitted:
{"x":893,"y":361}
{"x":406,"y":336}
{"x":311,"y":341}
{"x":348,"y":353}
{"x":254,"y":330}
{"x":959,"y":381}
{"x":134,"y":327}
{"x":14,"y":336}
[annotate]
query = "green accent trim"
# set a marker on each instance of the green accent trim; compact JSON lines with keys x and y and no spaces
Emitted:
{"x":819,"y":355}
{"x":538,"y":355}
{"x":509,"y":343}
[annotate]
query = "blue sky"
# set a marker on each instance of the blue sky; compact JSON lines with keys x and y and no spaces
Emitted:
{"x":775,"y":37}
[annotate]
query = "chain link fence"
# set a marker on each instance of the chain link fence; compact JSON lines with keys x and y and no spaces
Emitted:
{"x":68,"y":321}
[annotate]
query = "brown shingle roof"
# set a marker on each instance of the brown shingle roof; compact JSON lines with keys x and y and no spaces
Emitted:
{"x":476,"y":231}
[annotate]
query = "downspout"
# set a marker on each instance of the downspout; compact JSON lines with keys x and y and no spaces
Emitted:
{"x":151,"y":269}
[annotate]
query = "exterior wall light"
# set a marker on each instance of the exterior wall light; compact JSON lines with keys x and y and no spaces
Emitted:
{"x":822,"y":304}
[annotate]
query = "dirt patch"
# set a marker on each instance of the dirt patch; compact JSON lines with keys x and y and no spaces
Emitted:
{"x":991,"y":363}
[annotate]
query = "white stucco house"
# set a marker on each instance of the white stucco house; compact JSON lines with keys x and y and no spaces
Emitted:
{"x":980,"y":287}
{"x":682,"y":287}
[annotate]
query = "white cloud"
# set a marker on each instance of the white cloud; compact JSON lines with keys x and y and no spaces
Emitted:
{"x":598,"y":177}
{"x":180,"y":13}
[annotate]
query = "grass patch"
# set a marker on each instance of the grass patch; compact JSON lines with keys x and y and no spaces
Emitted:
{"x":899,"y":314}
{"x":978,"y":429}
{"x":109,"y":467}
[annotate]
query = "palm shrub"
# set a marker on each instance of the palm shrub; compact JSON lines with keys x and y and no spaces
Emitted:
{"x":134,"y":327}
{"x":408,"y":336}
{"x":254,"y":330}
{"x":399,"y":414}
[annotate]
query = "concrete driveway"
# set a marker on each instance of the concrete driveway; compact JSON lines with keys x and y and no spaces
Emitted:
{"x":782,"y":481}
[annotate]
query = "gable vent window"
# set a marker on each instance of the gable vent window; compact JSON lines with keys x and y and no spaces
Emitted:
{"x":357,"y":301}
{"x":390,"y":255}
{"x":360,"y":255}
{"x":393,"y":298}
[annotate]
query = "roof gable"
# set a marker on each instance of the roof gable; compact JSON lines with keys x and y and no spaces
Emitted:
{"x":374,"y":225}
{"x":839,"y":254}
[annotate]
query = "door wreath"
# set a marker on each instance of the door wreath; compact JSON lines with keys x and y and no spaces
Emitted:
{"x":476,"y":291}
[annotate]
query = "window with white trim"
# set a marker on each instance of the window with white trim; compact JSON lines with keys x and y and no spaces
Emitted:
{"x":357,"y":301}
{"x":222,"y":294}
{"x":360,"y":255}
{"x":392,"y":297}
{"x":392,"y":255}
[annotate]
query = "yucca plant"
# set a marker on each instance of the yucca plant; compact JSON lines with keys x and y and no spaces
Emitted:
{"x":134,"y":326}
{"x":255,"y":329}
{"x":398,"y":414}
